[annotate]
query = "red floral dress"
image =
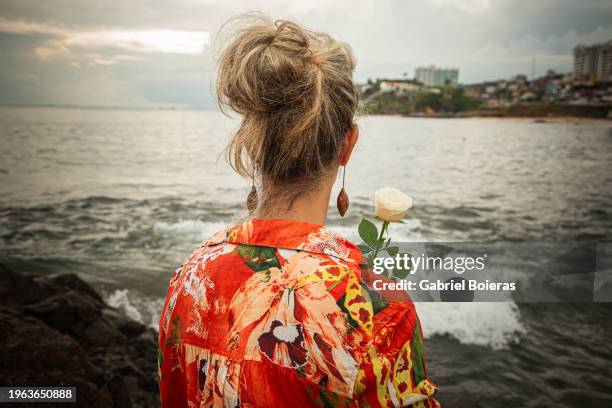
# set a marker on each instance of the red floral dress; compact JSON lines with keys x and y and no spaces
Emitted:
{"x":275,"y":313}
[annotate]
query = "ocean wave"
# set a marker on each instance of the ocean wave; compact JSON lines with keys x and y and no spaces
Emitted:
{"x":188,"y":229}
{"x":494,"y":325}
{"x":136,"y":307}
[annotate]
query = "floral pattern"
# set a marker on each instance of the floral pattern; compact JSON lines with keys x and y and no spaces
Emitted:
{"x":277,"y":313}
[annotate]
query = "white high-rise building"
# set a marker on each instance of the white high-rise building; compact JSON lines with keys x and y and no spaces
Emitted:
{"x":593,"y":62}
{"x":432,"y":76}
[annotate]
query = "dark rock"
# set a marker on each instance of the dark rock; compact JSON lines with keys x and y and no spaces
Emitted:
{"x":72,"y":281}
{"x":67,"y":311}
{"x":120,"y":391}
{"x":57,"y":330}
{"x":131,"y":328}
{"x":17,"y":289}
{"x":102,"y":333}
{"x":35,"y":354}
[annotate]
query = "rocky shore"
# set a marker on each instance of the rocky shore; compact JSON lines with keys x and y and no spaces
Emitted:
{"x":57,"y":330}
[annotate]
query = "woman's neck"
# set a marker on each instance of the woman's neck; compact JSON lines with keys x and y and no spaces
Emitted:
{"x":309,"y":207}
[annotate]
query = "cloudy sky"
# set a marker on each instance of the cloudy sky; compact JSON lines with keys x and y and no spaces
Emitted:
{"x":160,"y":52}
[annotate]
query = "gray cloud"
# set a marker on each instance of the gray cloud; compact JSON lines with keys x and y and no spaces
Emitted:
{"x":60,"y":51}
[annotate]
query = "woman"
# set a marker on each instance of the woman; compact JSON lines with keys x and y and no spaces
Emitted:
{"x":273,"y":312}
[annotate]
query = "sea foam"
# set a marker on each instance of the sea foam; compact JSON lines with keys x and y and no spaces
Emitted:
{"x":494,"y":325}
{"x":136,"y":307}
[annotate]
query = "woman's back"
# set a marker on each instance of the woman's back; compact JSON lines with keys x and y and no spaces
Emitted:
{"x":275,"y":313}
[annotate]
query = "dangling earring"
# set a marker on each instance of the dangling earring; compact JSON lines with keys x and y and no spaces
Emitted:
{"x":251,"y":201}
{"x":343,"y":201}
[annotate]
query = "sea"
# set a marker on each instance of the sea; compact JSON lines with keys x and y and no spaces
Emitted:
{"x":122,"y":197}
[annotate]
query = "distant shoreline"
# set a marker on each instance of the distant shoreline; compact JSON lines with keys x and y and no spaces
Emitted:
{"x":537,"y":115}
{"x":93,"y":107}
{"x":546,"y":112}
{"x":535,"y":119}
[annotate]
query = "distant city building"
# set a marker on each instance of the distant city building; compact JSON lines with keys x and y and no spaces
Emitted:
{"x":554,"y":87}
{"x":593,"y":62}
{"x":432,"y":76}
{"x":398,"y":86}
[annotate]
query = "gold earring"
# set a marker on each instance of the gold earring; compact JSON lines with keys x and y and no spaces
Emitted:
{"x":343,"y":201}
{"x":251,"y":201}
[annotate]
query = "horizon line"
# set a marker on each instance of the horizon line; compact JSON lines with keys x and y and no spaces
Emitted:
{"x":101,"y":107}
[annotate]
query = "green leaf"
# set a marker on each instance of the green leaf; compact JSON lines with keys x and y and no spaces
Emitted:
{"x":418,"y":360}
{"x":368,"y":232}
{"x":365,"y":249}
{"x":392,"y":250}
{"x":258,"y":258}
{"x":400,"y":273}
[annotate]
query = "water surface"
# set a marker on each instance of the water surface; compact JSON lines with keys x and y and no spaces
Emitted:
{"x":121,"y":197}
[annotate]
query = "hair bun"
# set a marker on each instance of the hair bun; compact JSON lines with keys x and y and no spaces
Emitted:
{"x":267,"y":68}
{"x":295,"y":91}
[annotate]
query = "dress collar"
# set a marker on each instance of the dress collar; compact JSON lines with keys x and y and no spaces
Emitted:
{"x":287,"y":234}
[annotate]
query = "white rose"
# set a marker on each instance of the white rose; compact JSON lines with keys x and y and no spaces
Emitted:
{"x":390,"y":204}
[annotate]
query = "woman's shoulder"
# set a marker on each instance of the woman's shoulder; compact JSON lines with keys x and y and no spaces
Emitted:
{"x":290,"y":235}
{"x":304,"y":249}
{"x":301,"y":254}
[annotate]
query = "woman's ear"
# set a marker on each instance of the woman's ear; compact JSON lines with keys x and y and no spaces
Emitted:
{"x":350,"y":140}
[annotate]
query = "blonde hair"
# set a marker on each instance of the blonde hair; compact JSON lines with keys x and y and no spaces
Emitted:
{"x":294,"y":90}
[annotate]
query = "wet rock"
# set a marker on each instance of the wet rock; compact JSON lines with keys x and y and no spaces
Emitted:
{"x":67,"y":311}
{"x":57,"y":330}
{"x":72,"y":281}
{"x":102,"y":333}
{"x":131,"y":328}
